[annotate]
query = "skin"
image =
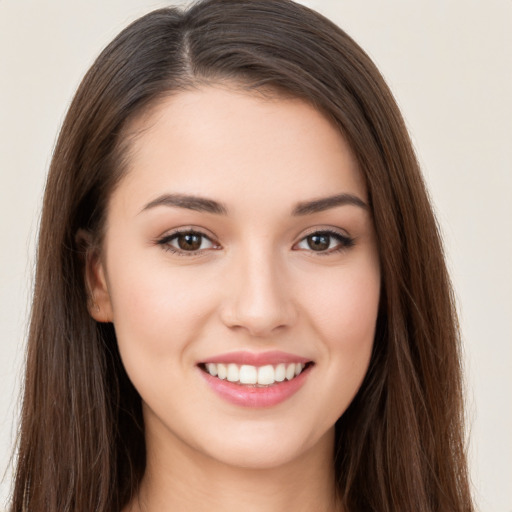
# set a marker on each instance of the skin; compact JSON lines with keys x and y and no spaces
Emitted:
{"x":255,"y":284}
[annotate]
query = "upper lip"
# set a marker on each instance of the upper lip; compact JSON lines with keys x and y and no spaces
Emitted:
{"x":272,"y":357}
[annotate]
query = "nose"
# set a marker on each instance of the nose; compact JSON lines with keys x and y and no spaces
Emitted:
{"x":258,"y":298}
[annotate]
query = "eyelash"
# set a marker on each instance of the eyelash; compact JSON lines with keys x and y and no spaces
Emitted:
{"x":165,"y":242}
{"x":344,"y":242}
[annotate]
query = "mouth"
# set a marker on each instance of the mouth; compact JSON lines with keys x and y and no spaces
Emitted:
{"x":255,"y":380}
{"x":255,"y":376}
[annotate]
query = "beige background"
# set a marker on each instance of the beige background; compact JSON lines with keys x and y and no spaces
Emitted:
{"x":449,"y":63}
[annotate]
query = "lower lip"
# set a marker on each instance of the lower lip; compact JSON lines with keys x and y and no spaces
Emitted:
{"x":252,"y":396}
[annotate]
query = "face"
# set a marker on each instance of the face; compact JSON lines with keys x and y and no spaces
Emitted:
{"x":241,"y":273}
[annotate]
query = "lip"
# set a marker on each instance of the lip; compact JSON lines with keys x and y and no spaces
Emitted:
{"x":251,"y":396}
{"x":272,"y":357}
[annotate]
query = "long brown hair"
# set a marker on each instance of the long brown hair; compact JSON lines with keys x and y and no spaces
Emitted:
{"x":400,"y":445}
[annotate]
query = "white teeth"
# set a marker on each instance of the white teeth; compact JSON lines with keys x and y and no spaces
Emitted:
{"x":222,"y":371}
{"x":248,"y":374}
{"x":266,"y":375}
{"x":233,"y":373}
{"x":212,"y":369}
{"x":280,"y":372}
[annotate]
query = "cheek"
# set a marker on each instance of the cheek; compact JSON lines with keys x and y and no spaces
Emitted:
{"x":157,"y":311}
{"x":340,"y":312}
{"x":345,"y":308}
{"x":343,"y":311}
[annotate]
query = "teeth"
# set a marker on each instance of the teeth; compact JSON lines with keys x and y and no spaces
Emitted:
{"x":262,"y":375}
{"x":233,"y":373}
{"x":290,"y":372}
{"x":212,"y":369}
{"x":248,"y":374}
{"x":280,"y":373}
{"x":222,"y":371}
{"x":266,"y":375}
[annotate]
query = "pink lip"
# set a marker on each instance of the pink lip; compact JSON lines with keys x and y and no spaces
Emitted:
{"x":256,"y":397}
{"x":257,"y":358}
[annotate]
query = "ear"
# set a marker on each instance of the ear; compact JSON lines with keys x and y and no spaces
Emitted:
{"x":96,"y":284}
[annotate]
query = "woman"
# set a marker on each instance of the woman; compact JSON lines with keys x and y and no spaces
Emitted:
{"x":241,"y":299}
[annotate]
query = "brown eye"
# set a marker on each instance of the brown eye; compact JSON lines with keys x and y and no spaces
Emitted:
{"x":189,"y":241}
{"x":319,"y":242}
{"x":325,"y":242}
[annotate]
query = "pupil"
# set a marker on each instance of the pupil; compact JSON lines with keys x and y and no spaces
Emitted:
{"x":318,"y":242}
{"x":189,"y":242}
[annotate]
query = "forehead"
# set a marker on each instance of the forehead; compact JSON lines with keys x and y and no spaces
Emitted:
{"x":237,"y":145}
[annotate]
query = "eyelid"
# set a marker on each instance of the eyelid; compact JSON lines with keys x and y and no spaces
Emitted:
{"x":345,"y":240}
{"x":164,"y":240}
{"x":325,"y":229}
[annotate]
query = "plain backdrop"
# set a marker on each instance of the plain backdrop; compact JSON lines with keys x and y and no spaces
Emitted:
{"x":449,"y":64}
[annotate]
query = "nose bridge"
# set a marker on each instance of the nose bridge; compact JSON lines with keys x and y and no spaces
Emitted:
{"x":258,"y":299}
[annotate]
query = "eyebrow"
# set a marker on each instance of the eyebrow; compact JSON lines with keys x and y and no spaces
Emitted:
{"x":196,"y":203}
{"x":202,"y":204}
{"x":326,"y":203}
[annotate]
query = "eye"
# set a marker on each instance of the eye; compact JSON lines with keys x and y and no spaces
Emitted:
{"x":187,"y":242}
{"x":325,"y":242}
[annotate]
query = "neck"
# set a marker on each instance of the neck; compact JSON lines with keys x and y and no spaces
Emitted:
{"x":179,"y":479}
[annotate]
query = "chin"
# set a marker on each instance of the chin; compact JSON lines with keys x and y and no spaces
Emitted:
{"x":267,"y":446}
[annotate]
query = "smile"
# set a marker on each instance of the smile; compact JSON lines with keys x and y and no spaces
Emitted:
{"x":255,"y":380}
{"x":261,"y":376}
